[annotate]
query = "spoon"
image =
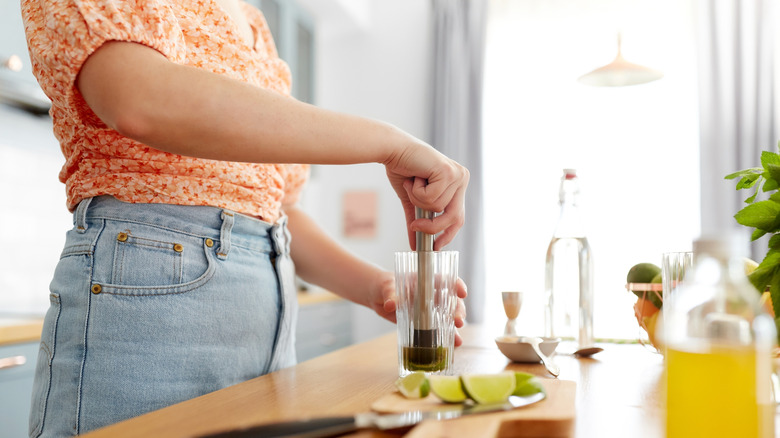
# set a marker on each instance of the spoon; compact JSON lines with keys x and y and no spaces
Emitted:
{"x":587,"y":351}
{"x":534,"y":342}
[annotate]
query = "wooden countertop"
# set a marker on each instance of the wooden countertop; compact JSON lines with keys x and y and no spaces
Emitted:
{"x":617,"y":390}
{"x":316,"y":296}
{"x":20,"y":329}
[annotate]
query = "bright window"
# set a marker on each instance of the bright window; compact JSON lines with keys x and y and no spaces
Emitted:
{"x":636,"y":148}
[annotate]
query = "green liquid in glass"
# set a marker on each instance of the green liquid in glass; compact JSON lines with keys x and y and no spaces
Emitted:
{"x":425,"y":358}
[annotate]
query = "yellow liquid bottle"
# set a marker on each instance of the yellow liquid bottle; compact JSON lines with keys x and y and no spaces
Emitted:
{"x":717,"y":342}
{"x":715,"y":394}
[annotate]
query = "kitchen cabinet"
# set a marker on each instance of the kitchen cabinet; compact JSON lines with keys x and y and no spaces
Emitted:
{"x":18,"y":86}
{"x":323,"y":326}
{"x":19,"y":338}
{"x":17,"y":367}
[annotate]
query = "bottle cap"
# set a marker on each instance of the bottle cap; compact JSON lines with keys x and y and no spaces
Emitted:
{"x":729,"y":243}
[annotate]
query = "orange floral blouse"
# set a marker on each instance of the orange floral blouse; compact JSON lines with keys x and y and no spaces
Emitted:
{"x":61,"y":34}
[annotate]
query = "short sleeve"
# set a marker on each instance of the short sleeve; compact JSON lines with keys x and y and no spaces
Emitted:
{"x":294,"y":180}
{"x":62,"y":34}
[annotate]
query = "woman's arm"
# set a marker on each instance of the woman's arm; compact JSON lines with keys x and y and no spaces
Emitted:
{"x":321,"y":261}
{"x":184,"y":110}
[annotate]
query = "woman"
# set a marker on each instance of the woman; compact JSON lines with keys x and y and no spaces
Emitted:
{"x":181,"y":143}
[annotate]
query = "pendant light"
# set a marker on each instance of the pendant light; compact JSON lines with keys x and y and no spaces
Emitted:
{"x":620,"y":72}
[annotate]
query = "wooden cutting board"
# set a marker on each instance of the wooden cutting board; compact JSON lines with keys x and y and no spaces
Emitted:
{"x":551,"y":417}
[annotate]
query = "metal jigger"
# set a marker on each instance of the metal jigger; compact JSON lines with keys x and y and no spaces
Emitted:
{"x":425,"y":333}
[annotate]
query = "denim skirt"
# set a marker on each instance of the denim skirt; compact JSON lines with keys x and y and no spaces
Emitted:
{"x":153,"y":304}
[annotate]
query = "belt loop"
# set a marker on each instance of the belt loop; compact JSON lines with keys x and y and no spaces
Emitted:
{"x":224,"y":235}
{"x":281,"y":236}
{"x":80,"y":215}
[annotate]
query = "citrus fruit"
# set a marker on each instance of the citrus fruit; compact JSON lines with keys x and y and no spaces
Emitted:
{"x":414,"y":385}
{"x":750,"y":265}
{"x":642,"y":273}
{"x":766,"y":303}
{"x":527,"y":384}
{"x":644,"y":308}
{"x":489,"y":388}
{"x":448,"y":388}
{"x":650,"y":323}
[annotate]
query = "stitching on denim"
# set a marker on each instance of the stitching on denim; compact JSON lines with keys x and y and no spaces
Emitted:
{"x":118,"y":272}
{"x":118,"y":265}
{"x":50,"y":354}
{"x":149,"y":291}
{"x":77,"y":426}
{"x":153,"y":224}
{"x":176,"y":230}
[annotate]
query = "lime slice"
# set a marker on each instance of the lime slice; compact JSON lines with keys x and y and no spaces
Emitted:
{"x":414,"y":385}
{"x":447,"y":388}
{"x":489,"y":388}
{"x":527,"y":384}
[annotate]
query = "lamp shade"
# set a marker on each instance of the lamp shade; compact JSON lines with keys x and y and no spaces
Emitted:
{"x":619,"y":73}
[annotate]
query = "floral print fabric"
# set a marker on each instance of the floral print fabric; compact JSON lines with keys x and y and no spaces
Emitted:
{"x":62,"y":34}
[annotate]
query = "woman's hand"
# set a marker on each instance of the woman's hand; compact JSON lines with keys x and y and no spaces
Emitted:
{"x":384,"y":303}
{"x":423,"y":177}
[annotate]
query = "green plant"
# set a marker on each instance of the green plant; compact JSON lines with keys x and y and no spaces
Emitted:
{"x":763,"y":216}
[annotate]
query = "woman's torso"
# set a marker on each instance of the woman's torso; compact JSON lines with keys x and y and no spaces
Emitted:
{"x":226,"y":37}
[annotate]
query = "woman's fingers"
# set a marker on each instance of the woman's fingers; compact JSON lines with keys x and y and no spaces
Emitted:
{"x":461,"y":289}
{"x":425,"y":178}
{"x":460,"y":314}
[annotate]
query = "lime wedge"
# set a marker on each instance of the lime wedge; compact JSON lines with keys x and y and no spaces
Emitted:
{"x":527,"y":384}
{"x":447,"y":388}
{"x":414,"y":385}
{"x":489,"y":388}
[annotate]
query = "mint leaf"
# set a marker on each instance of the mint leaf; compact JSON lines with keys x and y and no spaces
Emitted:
{"x":774,"y":290}
{"x":757,"y":234}
{"x":769,"y":158}
{"x":774,"y":172}
{"x":774,"y":242}
{"x":766,"y":270}
{"x":746,"y":172}
{"x":761,"y":214}
{"x":747,"y":181}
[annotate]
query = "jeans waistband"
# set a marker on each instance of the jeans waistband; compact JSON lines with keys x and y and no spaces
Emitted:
{"x":228,"y":227}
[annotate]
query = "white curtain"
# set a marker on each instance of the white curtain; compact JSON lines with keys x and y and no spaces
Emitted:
{"x":738,"y":114}
{"x":459,"y":40}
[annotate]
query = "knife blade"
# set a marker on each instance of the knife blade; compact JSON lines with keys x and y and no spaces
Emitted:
{"x":332,"y":426}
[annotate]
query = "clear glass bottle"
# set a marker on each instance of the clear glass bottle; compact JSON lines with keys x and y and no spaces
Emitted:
{"x":717,"y":342}
{"x":569,"y":271}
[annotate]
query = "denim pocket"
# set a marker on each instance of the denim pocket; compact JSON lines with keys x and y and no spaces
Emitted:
{"x":141,"y":261}
{"x":42,"y":381}
{"x":148,"y":260}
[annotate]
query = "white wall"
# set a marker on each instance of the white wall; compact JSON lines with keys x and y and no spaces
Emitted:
{"x":378,"y":67}
{"x":33,"y":217}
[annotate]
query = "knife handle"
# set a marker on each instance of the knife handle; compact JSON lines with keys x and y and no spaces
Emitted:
{"x":312,"y":428}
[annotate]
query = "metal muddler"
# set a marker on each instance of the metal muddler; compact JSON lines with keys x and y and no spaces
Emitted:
{"x":425,"y":334}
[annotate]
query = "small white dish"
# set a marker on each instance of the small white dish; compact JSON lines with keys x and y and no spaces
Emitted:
{"x":522,"y":351}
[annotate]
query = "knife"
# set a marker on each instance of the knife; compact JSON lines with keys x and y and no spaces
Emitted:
{"x":332,"y":426}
